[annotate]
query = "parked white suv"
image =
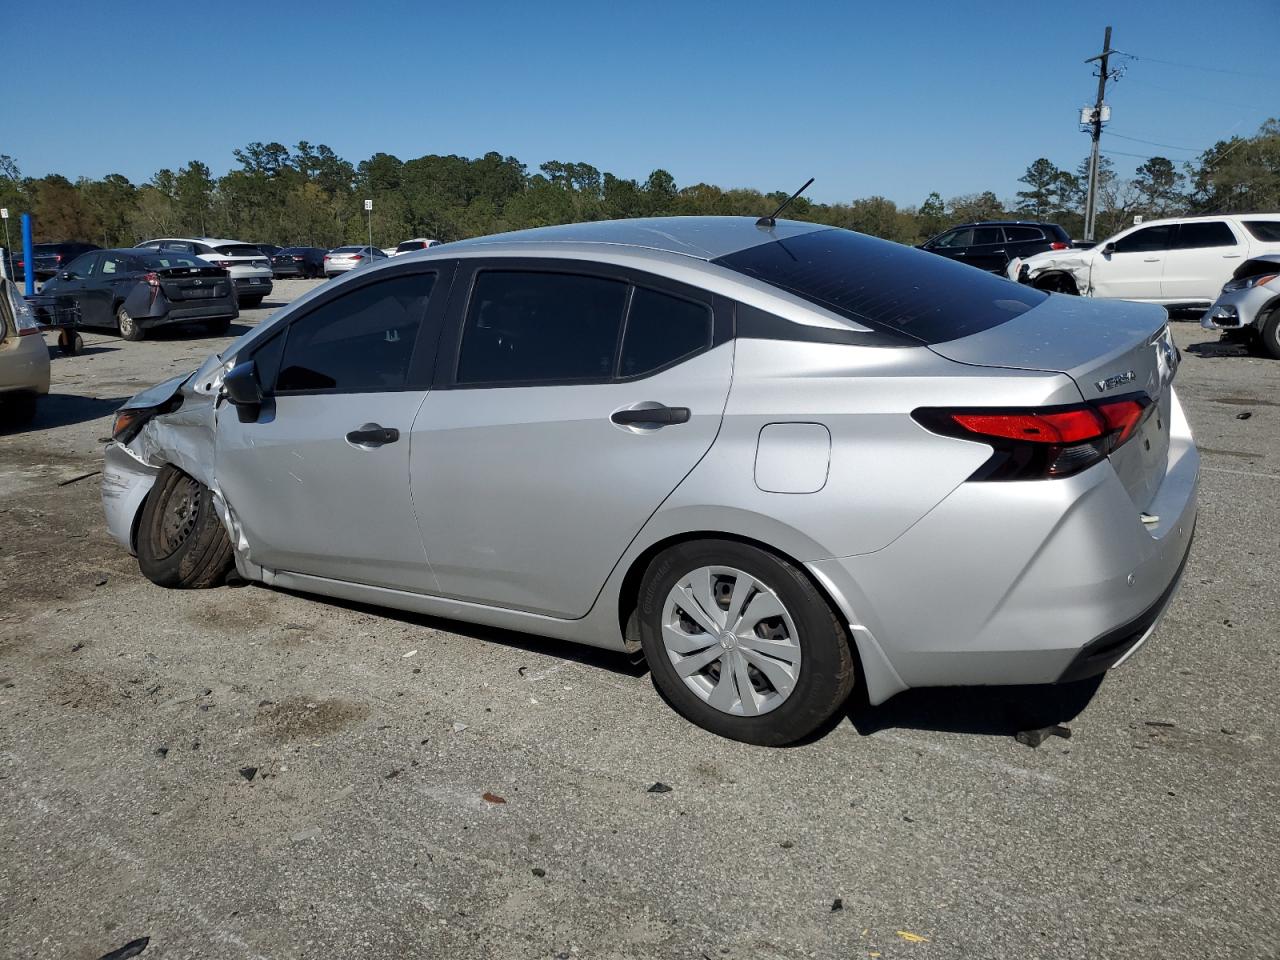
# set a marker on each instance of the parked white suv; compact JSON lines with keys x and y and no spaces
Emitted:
{"x":249,"y":267}
{"x":1180,"y":262}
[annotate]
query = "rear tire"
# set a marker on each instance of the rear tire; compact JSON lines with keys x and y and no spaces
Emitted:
{"x":220,"y":327}
{"x":250,"y":302}
{"x":128,"y":326}
{"x":181,"y":542}
{"x":1270,"y":336}
{"x":793,"y":690}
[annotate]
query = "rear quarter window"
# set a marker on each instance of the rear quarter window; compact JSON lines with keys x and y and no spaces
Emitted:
{"x":886,"y":285}
{"x":1268,"y":231}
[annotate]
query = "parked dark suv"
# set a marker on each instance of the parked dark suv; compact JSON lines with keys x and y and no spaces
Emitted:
{"x":49,"y":258}
{"x":992,"y":244}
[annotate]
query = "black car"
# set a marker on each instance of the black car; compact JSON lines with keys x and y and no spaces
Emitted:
{"x":135,"y":290}
{"x":270,"y":249}
{"x":990,"y":245}
{"x":298,"y":262}
{"x":48,"y":258}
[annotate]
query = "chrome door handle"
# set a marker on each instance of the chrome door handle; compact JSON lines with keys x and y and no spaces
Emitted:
{"x":1150,"y":259}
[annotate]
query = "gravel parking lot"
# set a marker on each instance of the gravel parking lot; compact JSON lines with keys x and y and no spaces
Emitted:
{"x":243,"y":772}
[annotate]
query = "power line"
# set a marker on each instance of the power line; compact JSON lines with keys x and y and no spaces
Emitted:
{"x":1138,"y":156}
{"x":1198,"y":66}
{"x":1151,"y":143}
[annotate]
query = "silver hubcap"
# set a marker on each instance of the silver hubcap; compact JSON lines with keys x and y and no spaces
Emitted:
{"x":731,"y":640}
{"x":126,"y":322}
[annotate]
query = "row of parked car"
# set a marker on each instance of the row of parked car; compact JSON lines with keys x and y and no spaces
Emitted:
{"x":1224,"y":267}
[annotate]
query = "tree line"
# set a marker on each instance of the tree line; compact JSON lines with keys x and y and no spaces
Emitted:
{"x":308,"y":195}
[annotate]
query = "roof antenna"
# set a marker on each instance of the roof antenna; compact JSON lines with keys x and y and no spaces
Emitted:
{"x":772,"y":219}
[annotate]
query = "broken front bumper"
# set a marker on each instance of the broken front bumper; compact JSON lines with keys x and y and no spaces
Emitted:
{"x":126,"y":481}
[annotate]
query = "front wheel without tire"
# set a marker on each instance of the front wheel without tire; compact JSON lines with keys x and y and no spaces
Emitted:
{"x":128,"y":326}
{"x":741,"y":642}
{"x":181,"y":541}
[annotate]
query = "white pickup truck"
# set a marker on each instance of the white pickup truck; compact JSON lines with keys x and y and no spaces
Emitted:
{"x":1181,"y":262}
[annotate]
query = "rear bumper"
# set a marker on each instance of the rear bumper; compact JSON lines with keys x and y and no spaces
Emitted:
{"x":1024,"y":583}
{"x":214,"y":310}
{"x":24,"y":365}
{"x":1237,"y":309}
{"x":252,"y":286}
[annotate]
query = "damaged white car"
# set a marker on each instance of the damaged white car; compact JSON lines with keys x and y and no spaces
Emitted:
{"x":1249,"y":307}
{"x":1178,"y":263}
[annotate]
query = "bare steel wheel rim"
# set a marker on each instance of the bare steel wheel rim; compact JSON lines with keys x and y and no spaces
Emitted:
{"x":179,"y":517}
{"x":731,"y":640}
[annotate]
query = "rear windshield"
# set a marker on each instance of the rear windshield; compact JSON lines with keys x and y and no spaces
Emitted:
{"x":1268,"y":231}
{"x":293,"y":251}
{"x":410,"y":245}
{"x":886,"y":285}
{"x":350,"y":250}
{"x":238,"y":250}
{"x":169,"y":259}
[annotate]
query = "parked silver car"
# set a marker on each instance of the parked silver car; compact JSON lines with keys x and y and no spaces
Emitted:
{"x":342,"y":259}
{"x":1250,"y":304}
{"x":771,"y":457}
{"x":24,"y":358}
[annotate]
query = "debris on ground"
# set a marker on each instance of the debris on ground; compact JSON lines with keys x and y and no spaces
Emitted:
{"x":786,"y":844}
{"x":837,"y":904}
{"x":77,"y":647}
{"x":1033,"y":738}
{"x":659,"y":787}
{"x":248,"y":772}
{"x":162,"y":751}
{"x":406,"y":656}
{"x":309,"y":834}
{"x":395,"y":772}
{"x":67,"y":483}
{"x":459,"y":727}
{"x":1160,"y":723}
{"x":491,"y":798}
{"x":910,"y":937}
{"x":539,"y":872}
{"x":1244,"y":416}
{"x":100,"y":580}
{"x":130,"y":949}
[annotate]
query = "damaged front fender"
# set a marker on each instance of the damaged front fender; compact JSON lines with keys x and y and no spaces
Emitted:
{"x":1073,"y":266}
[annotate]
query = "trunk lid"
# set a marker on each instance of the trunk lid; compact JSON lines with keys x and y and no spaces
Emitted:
{"x":194,"y":283}
{"x":1110,"y":349}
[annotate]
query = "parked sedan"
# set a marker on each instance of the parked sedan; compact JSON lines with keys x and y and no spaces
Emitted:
{"x":342,"y":259}
{"x":136,"y":290}
{"x":298,"y":262}
{"x":410,"y":246}
{"x":775,"y":458}
{"x":48,"y":258}
{"x":24,"y":358}
{"x":1250,"y":304}
{"x":249,"y":267}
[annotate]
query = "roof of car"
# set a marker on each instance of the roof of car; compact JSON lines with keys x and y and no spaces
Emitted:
{"x":1006,"y":223}
{"x":703,"y":238}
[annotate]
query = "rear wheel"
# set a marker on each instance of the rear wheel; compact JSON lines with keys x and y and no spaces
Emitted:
{"x":128,"y":326}
{"x":250,"y":302}
{"x":740,"y":642}
{"x":219,"y":327}
{"x":181,"y":541}
{"x":1270,"y":338}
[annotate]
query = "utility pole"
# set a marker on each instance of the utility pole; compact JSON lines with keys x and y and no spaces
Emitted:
{"x":1091,"y":201}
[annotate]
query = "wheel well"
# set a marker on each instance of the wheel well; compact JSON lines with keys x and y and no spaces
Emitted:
{"x":1055,"y":281}
{"x":629,"y":594}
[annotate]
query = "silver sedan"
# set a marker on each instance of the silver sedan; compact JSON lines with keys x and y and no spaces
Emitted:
{"x":775,"y":457}
{"x":341,"y":259}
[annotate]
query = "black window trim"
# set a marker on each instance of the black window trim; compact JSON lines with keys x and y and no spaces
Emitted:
{"x":422,"y":357}
{"x":450,"y":352}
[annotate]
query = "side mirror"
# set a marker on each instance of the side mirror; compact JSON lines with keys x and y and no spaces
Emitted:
{"x":66,"y":275}
{"x":243,"y":391}
{"x":1108,"y":249}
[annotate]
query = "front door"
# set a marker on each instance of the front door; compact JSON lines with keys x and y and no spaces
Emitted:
{"x":574,"y":401}
{"x":1130,"y":267}
{"x":1204,"y":256}
{"x":320,"y":481}
{"x":68,"y":287}
{"x":98,"y":300}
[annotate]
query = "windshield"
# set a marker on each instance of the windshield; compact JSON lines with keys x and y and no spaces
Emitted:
{"x":886,"y":285}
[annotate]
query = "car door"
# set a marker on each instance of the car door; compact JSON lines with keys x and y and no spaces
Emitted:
{"x":319,"y":480}
{"x":111,"y":281}
{"x":1205,"y":253}
{"x":954,"y":245}
{"x":987,"y":250}
{"x":570,"y":400}
{"x":1130,"y":267}
{"x":68,"y":288}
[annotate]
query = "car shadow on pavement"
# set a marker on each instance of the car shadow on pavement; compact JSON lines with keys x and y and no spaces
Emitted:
{"x":62,"y":410}
{"x":1219,"y":348}
{"x":995,"y":711}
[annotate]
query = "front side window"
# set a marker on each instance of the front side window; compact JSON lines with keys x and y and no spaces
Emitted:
{"x":1205,"y":233}
{"x":1146,"y":240}
{"x":957,"y":238}
{"x":662,"y":329}
{"x":82,"y":266}
{"x":360,"y":342}
{"x":524,"y":327}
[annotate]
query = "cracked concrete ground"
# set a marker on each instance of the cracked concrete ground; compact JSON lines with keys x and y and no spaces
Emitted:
{"x":244,"y":772}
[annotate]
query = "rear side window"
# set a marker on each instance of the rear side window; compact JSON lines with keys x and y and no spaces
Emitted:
{"x":360,"y":342}
{"x":526,"y":327}
{"x":1146,"y":240}
{"x":1268,"y":231}
{"x":662,"y":329}
{"x":986,"y":235}
{"x":886,"y":285}
{"x":1212,"y":233}
{"x":1023,"y":234}
{"x":113,"y":263}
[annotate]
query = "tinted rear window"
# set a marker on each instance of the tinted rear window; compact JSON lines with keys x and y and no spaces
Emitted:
{"x":410,"y":245}
{"x":1268,"y":231}
{"x":1023,"y":234}
{"x":1210,"y":233}
{"x":238,"y":250}
{"x":886,"y":285}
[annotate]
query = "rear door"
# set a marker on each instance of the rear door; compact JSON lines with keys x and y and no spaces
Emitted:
{"x":1133,"y":269}
{"x":1205,"y":253}
{"x":987,"y":251}
{"x":571,"y":400}
{"x":320,"y":482}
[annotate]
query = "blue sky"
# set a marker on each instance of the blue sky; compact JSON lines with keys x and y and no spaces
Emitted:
{"x":882,"y":98}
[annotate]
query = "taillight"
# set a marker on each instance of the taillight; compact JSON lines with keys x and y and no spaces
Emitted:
{"x":153,"y":281}
{"x":357,"y":256}
{"x":1059,"y":245}
{"x":300,"y":259}
{"x":57,"y":258}
{"x":1042,"y":444}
